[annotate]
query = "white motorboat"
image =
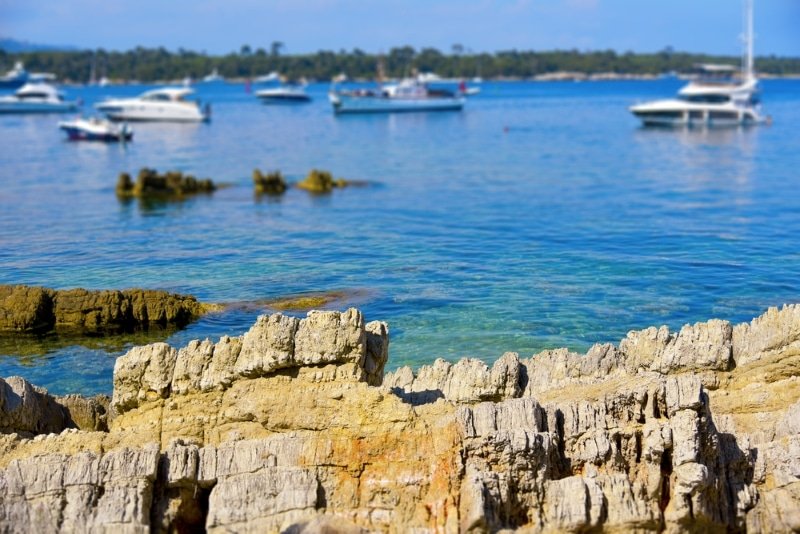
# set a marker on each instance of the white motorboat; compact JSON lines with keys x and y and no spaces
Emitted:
{"x":407,"y":96}
{"x":214,"y":77}
{"x":96,"y":129}
{"x":165,"y":104}
{"x":719,"y":96}
{"x":284,"y":94}
{"x":36,"y":98}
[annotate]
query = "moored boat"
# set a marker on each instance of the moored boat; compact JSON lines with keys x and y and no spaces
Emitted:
{"x":408,"y":96}
{"x":36,"y":98}
{"x":719,"y":95}
{"x":96,"y":129}
{"x":285,"y":94}
{"x":164,"y":104}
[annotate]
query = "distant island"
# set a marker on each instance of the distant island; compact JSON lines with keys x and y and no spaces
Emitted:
{"x":159,"y":64}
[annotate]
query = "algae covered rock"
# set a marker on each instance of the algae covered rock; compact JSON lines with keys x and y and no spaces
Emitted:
{"x":38,"y":309}
{"x":25,"y":308}
{"x":271,"y":183}
{"x":172,"y":184}
{"x":318,"y":181}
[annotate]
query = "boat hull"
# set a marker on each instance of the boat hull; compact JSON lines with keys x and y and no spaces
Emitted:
{"x":80,"y":134}
{"x":284,"y":99}
{"x":676,"y":113}
{"x":343,"y":104}
{"x":151,"y":114}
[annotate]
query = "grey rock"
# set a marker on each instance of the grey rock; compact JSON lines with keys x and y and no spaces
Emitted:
{"x":144,"y":373}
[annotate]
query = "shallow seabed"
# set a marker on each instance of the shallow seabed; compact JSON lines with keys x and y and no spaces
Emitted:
{"x":541,"y":216}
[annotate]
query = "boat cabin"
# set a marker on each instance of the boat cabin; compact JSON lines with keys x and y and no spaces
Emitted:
{"x":38,"y":91}
{"x":168,"y":94}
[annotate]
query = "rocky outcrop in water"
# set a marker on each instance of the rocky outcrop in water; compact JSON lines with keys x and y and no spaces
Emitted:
{"x":317,"y":181}
{"x":172,"y":184}
{"x":293,"y":426}
{"x":271,"y":183}
{"x":40,"y":309}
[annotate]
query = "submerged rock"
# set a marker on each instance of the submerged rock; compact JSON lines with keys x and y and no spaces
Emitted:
{"x":306,"y":302}
{"x":271,"y":183}
{"x":172,"y":184}
{"x":38,"y":309}
{"x":293,"y":427}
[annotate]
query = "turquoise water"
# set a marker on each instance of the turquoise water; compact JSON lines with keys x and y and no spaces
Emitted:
{"x":541,"y":216}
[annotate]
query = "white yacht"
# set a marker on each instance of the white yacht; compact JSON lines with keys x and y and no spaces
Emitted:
{"x":36,"y":98}
{"x":719,"y":96}
{"x":165,"y":104}
{"x":406,"y":96}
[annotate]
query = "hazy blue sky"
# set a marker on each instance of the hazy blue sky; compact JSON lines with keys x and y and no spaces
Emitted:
{"x":220,"y":26}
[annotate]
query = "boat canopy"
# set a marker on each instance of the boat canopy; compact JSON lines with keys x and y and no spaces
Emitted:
{"x":716,"y":68}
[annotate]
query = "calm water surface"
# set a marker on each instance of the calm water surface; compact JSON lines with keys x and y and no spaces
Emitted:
{"x":541,"y":216}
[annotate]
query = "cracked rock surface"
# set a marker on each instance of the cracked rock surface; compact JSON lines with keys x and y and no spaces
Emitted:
{"x":294,"y":427}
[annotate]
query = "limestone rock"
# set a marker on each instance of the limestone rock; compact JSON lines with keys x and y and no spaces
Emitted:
{"x":773,"y":331}
{"x":86,"y":413}
{"x":377,"y":351}
{"x":327,"y":337}
{"x":285,"y":429}
{"x":268,"y":345}
{"x":27,"y":409}
{"x":144,"y":373}
{"x":466,"y":381}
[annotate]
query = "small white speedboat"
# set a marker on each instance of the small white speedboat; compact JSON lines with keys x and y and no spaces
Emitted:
{"x":96,"y":129}
{"x":285,"y":94}
{"x":36,"y":98}
{"x":165,"y":104}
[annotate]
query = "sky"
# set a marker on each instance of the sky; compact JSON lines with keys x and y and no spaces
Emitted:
{"x":223,"y":26}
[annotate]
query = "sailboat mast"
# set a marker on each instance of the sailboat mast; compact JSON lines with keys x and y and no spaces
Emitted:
{"x":749,"y":70}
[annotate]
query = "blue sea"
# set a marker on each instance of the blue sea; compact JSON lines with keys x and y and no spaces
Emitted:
{"x":541,"y":216}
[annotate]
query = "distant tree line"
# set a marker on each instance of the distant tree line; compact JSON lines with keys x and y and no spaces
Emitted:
{"x":151,"y":64}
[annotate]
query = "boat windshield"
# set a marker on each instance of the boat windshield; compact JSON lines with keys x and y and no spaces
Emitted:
{"x":32,"y":95}
{"x":706,"y":99}
{"x":159,"y":97}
